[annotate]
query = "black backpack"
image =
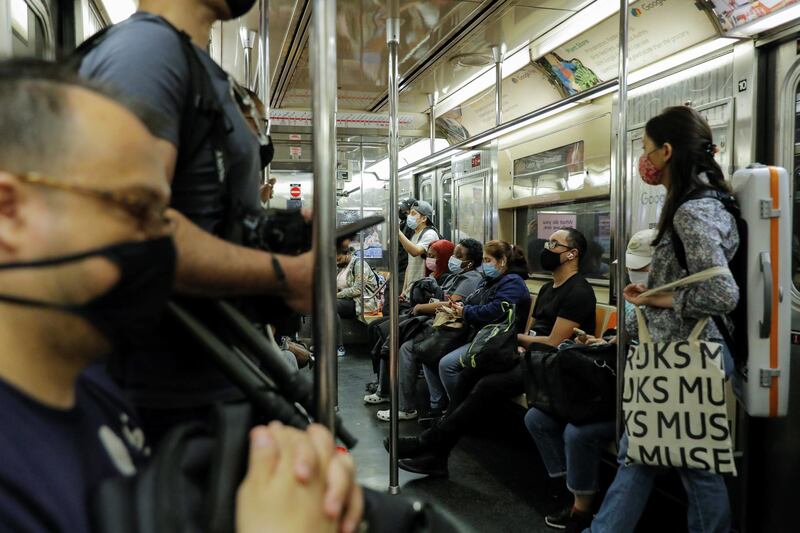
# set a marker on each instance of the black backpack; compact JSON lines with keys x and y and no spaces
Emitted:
{"x":737,"y":341}
{"x":202,"y":119}
{"x":202,"y":116}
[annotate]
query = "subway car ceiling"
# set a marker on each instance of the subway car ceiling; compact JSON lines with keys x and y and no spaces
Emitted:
{"x":542,"y":136}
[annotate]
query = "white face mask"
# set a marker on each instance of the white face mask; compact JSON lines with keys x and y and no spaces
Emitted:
{"x":639,"y":277}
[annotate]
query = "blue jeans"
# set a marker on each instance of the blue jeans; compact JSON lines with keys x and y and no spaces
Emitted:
{"x":442,"y":379}
{"x":408,"y":370}
{"x":570,"y":449}
{"x":709,"y":508}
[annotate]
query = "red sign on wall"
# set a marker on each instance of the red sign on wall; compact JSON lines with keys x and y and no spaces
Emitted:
{"x":476,"y":160}
{"x":294,"y":191}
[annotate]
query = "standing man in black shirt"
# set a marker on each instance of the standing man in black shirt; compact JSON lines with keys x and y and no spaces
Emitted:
{"x":150,"y":59}
{"x":567,"y":302}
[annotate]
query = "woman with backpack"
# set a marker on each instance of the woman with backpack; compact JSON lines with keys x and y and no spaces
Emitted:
{"x":696,"y":229}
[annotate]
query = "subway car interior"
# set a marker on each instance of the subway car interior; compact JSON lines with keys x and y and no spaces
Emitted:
{"x":507,"y":120}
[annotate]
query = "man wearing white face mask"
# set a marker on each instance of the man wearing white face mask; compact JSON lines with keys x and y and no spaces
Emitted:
{"x":419,"y":219}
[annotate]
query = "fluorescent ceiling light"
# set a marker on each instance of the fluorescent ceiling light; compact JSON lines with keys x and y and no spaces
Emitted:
{"x":533,"y":129}
{"x":19,"y":17}
{"x":510,"y":65}
{"x":681,"y":58}
{"x":769,"y":22}
{"x":119,"y":10}
{"x":408,"y":155}
{"x":574,"y":26}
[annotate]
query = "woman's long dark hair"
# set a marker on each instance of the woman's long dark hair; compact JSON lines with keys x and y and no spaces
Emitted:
{"x":692,"y":155}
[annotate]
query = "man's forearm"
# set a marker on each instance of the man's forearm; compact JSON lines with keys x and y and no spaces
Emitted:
{"x":210,"y":266}
{"x":413,"y":249}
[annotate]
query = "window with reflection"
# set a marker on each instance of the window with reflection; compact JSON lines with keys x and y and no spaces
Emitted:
{"x":535,"y":224}
{"x":27,"y":31}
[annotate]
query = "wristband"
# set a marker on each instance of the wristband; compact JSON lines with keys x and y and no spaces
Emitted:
{"x":280,"y":275}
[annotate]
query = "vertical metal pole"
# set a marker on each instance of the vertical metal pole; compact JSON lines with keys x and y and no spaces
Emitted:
{"x":361,"y":237}
{"x":432,"y":121}
{"x":620,"y":189}
{"x":264,"y":66}
{"x":498,"y":53}
{"x":248,"y":39}
{"x":393,"y":41}
{"x":323,"y":95}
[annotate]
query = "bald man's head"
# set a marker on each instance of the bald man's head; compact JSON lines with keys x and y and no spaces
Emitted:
{"x":37,"y":118}
{"x":54,"y":123}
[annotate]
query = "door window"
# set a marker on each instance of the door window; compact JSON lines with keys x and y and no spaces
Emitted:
{"x":796,"y":192}
{"x":28,"y":33}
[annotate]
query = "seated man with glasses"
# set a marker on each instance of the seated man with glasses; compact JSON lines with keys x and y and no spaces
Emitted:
{"x":87,"y":263}
{"x":567,"y":302}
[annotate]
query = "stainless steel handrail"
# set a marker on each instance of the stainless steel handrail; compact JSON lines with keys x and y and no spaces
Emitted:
{"x":323,"y":83}
{"x":393,"y":43}
{"x":512,"y":125}
{"x":621,"y":210}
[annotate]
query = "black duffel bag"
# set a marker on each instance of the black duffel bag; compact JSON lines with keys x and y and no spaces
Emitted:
{"x":190,"y":486}
{"x":431,"y":344}
{"x":575,"y":383}
{"x":424,"y":290}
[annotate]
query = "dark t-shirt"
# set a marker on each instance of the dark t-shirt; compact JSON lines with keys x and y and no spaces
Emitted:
{"x":52,"y":460}
{"x":574,"y":300}
{"x":143,"y":57}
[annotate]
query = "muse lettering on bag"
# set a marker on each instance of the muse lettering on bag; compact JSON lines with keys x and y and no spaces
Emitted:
{"x":674,"y":417}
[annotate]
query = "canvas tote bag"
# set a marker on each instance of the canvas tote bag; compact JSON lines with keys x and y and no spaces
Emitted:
{"x":673,"y":400}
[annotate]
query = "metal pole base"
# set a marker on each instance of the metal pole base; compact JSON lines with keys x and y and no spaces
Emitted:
{"x":394,"y":490}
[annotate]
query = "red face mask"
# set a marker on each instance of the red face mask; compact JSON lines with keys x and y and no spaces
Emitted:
{"x":649,"y":173}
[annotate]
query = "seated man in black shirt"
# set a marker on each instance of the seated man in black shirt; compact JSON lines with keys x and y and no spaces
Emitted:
{"x":86,"y":266}
{"x":563,"y":304}
{"x":567,"y":302}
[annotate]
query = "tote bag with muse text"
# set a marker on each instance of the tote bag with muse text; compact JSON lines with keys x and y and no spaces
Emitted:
{"x":673,"y":400}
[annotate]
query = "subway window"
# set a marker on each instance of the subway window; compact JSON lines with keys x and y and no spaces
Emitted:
{"x":28,"y":37}
{"x":534,"y":225}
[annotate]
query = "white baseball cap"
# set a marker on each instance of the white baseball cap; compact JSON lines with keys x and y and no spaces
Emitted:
{"x":640,"y":250}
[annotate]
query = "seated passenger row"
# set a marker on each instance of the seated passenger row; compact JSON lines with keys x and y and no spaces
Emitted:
{"x":696,"y":235}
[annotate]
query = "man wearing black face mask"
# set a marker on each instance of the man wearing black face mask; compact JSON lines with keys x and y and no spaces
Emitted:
{"x":567,"y":302}
{"x":150,"y":58}
{"x":85,"y":267}
{"x":84,"y":264}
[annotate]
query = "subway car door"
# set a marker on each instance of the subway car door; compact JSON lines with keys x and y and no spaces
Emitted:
{"x":474,"y":199}
{"x":772,"y":459}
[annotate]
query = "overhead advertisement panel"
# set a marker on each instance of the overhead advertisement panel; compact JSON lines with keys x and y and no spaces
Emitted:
{"x":658,"y":29}
{"x":733,"y":14}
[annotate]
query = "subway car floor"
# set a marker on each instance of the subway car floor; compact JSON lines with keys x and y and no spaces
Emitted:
{"x":497,"y":481}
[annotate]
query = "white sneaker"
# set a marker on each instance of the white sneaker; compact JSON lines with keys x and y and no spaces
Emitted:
{"x":401,"y":415}
{"x":340,"y":351}
{"x":375,"y":398}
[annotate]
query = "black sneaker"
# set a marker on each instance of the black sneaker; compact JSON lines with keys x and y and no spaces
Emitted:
{"x":432,"y":464}
{"x":427,"y":420}
{"x":560,"y":519}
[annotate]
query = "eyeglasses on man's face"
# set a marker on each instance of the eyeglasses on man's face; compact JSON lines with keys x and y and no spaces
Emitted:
{"x":145,"y":205}
{"x":553,"y":244}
